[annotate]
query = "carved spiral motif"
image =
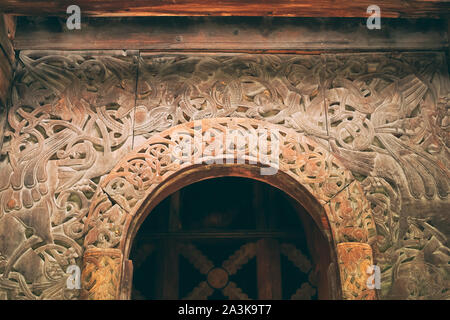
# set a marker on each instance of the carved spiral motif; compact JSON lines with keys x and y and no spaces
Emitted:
{"x":73,"y":117}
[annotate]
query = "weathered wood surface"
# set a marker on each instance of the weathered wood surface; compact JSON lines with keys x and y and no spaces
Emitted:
{"x":287,"y":8}
{"x":384,"y":116}
{"x":7,"y":30}
{"x":230,"y":34}
{"x":268,"y":269}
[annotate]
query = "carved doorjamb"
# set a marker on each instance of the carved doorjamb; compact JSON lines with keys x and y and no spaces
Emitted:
{"x":306,"y":171}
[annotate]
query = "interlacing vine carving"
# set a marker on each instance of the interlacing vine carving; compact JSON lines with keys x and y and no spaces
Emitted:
{"x":382,"y":117}
{"x":123,"y":191}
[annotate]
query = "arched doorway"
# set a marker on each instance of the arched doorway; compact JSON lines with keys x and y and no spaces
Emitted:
{"x":303,"y":169}
{"x":231,"y":238}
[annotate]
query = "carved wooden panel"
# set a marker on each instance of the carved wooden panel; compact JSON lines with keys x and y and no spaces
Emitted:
{"x":354,"y":261}
{"x":382,"y":117}
{"x":124,"y":190}
{"x":102,"y":272}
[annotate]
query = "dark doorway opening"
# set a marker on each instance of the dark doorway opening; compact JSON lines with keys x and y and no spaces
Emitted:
{"x":229,"y":238}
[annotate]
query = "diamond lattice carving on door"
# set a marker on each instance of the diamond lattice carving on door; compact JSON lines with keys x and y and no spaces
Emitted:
{"x":224,"y":247}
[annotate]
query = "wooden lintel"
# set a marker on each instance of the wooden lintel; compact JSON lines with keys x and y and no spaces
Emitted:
{"x":230,"y":34}
{"x":283,"y":8}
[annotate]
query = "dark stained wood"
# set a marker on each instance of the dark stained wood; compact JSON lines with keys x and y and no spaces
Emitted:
{"x":174,"y":214}
{"x":268,"y":269}
{"x":7,"y":61}
{"x":258,"y":204}
{"x":267,"y":249}
{"x":169,"y":265}
{"x":10,"y":23}
{"x":230,"y":34}
{"x":7,"y":32}
{"x":285,"y":8}
{"x":241,"y":234}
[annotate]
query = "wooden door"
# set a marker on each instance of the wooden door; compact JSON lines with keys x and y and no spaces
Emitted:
{"x":247,"y":244}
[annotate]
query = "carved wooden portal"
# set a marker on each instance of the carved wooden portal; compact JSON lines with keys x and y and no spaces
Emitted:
{"x":306,"y":171}
{"x":232,"y":238}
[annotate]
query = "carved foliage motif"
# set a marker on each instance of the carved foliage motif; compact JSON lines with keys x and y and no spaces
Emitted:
{"x":101,"y":274}
{"x":133,"y":179}
{"x":69,"y":123}
{"x":354,"y":260}
{"x":384,"y":117}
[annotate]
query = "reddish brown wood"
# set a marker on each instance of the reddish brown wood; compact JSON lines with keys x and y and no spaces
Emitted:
{"x":127,"y":280}
{"x":286,"y":8}
{"x":268,"y":269}
{"x":168,"y":272}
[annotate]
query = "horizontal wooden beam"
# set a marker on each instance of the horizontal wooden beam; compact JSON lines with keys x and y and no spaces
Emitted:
{"x":233,"y":34}
{"x":283,"y":8}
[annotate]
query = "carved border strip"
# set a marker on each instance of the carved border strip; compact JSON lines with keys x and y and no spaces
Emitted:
{"x":123,"y":191}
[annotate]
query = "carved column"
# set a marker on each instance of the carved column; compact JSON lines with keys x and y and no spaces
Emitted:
{"x":102,"y":272}
{"x":354,"y":258}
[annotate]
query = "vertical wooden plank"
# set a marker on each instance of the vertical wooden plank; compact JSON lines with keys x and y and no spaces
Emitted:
{"x":174,"y":214}
{"x":127,"y":281}
{"x":7,"y":29}
{"x":258,"y":205}
{"x":267,"y":250}
{"x":298,"y":36}
{"x":169,"y":257}
{"x":268,"y":269}
{"x":168,"y":275}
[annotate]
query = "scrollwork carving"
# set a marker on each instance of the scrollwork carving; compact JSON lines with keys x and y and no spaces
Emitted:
{"x":383,"y":117}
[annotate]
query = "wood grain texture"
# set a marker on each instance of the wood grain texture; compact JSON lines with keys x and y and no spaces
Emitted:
{"x":7,"y":29}
{"x":7,"y":32}
{"x":382,"y":117}
{"x":285,"y":8}
{"x":235,"y":34}
{"x":268,"y":269}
